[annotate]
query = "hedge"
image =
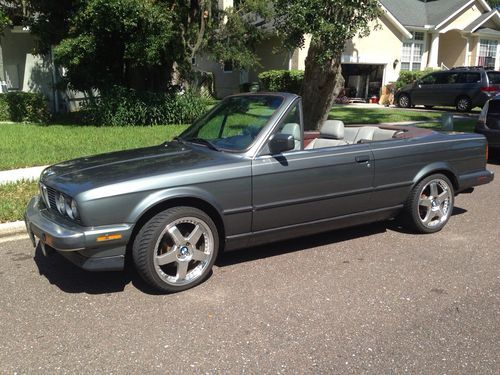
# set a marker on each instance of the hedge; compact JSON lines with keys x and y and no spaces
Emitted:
{"x":24,"y":107}
{"x":407,"y":77}
{"x":122,"y":106}
{"x":282,"y":80}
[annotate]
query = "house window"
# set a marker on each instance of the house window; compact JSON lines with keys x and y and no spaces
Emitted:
{"x":228,"y":66}
{"x":411,"y":55}
{"x":487,"y":53}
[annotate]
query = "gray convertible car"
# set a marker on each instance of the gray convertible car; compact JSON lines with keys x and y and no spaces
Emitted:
{"x":245,"y":174}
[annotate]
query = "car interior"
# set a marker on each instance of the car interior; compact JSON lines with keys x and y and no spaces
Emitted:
{"x":334,"y":133}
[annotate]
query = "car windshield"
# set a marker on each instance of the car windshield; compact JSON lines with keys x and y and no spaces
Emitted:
{"x":234,"y":123}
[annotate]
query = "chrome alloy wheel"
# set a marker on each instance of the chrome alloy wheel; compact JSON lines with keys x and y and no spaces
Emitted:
{"x":463,"y":104}
{"x":404,"y":101}
{"x":435,"y":202}
{"x":183,"y":251}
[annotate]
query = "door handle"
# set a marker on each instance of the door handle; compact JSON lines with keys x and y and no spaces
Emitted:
{"x":362,"y":158}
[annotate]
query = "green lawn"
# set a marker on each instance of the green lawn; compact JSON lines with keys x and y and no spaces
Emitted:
{"x":360,"y":115}
{"x":24,"y":145}
{"x":13,"y":199}
{"x":458,"y":125}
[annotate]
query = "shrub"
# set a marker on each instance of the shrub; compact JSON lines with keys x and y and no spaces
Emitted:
{"x":122,"y":106}
{"x":282,"y":80}
{"x":24,"y":107}
{"x":407,"y":77}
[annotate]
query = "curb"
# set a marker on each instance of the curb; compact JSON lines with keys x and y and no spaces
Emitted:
{"x":14,"y":175}
{"x":11,"y":229}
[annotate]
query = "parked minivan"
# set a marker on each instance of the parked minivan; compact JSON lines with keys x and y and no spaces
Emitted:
{"x":463,"y":88}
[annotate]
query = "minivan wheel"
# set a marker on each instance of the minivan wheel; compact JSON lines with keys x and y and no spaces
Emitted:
{"x":430,"y":204}
{"x":404,"y":101}
{"x":176,"y":249}
{"x":464,"y":104}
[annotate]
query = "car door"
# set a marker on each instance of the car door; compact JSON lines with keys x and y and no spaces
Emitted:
{"x":304,"y":186}
{"x":423,"y":93}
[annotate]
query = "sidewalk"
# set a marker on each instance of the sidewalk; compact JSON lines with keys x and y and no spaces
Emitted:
{"x":20,"y":174}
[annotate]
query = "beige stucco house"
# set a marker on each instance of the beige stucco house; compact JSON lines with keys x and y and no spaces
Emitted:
{"x":410,"y":35}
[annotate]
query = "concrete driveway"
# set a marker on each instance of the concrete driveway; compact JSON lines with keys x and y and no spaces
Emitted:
{"x":372,"y":299}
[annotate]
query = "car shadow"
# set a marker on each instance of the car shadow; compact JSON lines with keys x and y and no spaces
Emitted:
{"x":71,"y":279}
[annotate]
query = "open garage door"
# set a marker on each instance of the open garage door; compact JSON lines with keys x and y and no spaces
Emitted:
{"x":362,"y":81}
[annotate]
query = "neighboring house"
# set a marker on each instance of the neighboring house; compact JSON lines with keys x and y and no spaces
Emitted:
{"x":410,"y":35}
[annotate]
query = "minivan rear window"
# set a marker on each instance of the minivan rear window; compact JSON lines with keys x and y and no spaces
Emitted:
{"x":494,"y":78}
{"x":469,"y":77}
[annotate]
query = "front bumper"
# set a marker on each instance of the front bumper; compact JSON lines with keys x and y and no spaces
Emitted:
{"x":78,"y":244}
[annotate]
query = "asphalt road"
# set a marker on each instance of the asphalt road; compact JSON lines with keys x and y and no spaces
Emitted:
{"x":372,"y":299}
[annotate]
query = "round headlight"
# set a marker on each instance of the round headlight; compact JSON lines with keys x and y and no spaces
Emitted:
{"x":61,"y":204}
{"x":74,"y":209}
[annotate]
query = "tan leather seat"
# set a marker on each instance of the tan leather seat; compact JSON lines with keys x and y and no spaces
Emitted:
{"x":331,"y":134}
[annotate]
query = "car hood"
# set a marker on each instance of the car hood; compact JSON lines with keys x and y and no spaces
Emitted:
{"x":75,"y":176}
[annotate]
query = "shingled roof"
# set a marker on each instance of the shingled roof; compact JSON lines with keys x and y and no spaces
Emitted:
{"x":420,"y":13}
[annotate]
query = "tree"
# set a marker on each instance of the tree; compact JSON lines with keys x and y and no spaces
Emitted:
{"x":494,"y":3}
{"x":141,"y":44}
{"x":330,"y":23}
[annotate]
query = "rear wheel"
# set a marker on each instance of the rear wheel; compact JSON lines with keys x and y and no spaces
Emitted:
{"x":404,"y":101}
{"x":430,"y":204}
{"x":464,"y":104}
{"x":176,"y":249}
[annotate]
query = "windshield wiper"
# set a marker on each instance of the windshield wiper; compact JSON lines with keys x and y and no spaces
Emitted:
{"x":202,"y":141}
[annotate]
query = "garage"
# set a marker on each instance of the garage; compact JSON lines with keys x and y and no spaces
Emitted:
{"x":362,"y":81}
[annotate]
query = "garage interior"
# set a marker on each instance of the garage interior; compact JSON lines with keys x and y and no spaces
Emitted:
{"x":362,"y":81}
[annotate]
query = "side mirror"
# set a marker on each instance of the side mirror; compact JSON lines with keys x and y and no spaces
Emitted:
{"x":280,"y":143}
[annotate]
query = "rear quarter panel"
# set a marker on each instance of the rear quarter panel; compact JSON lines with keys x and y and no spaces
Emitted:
{"x":400,"y":164}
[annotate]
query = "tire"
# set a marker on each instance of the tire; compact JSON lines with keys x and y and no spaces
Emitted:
{"x":464,"y":104}
{"x":404,"y":101}
{"x":176,"y":249}
{"x":430,"y":204}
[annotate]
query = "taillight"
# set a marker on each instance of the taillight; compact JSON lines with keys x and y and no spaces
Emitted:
{"x":488,"y":89}
{"x":487,"y":152}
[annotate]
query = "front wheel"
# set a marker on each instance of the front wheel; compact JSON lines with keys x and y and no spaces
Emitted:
{"x":404,"y":101}
{"x":176,"y":249}
{"x":430,"y":204}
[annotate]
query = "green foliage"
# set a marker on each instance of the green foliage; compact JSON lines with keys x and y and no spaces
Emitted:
{"x":407,"y":77}
{"x":282,"y":80}
{"x":330,"y":23}
{"x":13,"y":199}
{"x":140,"y":43}
{"x":24,"y":107}
{"x":121,"y":106}
{"x":110,"y":41}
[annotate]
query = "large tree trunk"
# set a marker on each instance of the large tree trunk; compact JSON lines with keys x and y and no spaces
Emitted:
{"x":320,"y":88}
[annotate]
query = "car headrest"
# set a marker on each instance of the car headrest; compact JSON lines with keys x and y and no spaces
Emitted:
{"x":292,"y":129}
{"x":332,"y":129}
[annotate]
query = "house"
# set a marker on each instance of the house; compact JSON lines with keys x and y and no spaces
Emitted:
{"x":409,"y":35}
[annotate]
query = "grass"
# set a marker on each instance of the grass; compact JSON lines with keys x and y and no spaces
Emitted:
{"x":13,"y":199}
{"x":459,"y":125}
{"x":360,"y":115}
{"x":23,"y":145}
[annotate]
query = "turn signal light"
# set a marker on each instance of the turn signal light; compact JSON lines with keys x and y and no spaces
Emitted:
{"x":109,"y":237}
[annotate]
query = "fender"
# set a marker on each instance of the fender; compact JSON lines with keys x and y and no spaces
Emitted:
{"x":172,"y":193}
{"x":435,"y":167}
